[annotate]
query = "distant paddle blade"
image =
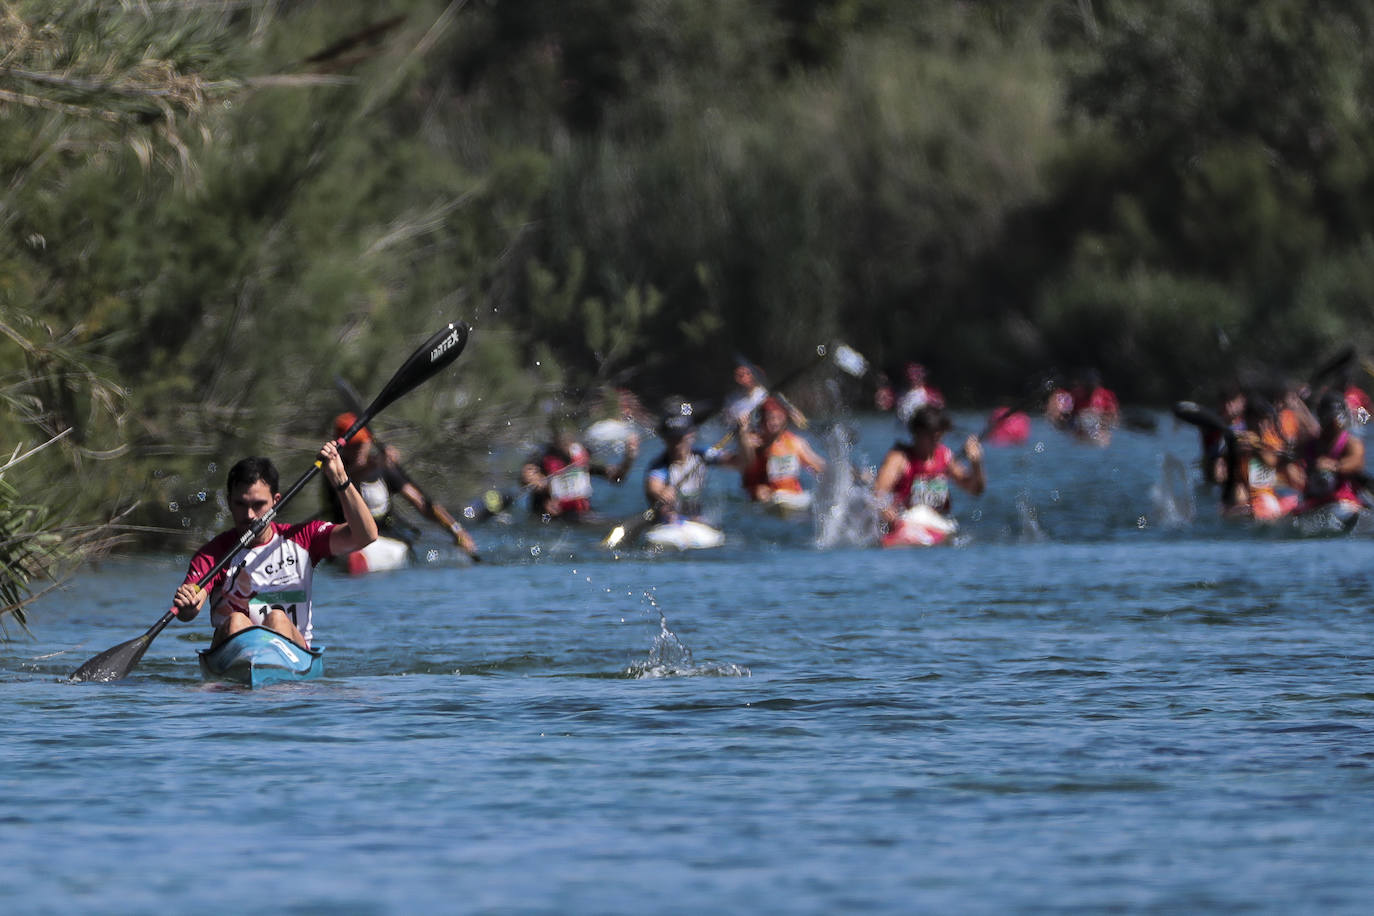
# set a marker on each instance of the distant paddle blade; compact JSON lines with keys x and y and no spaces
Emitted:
{"x":113,"y":664}
{"x":1142,"y":421}
{"x":352,"y":399}
{"x":1333,"y":365}
{"x":615,"y":537}
{"x":850,"y":360}
{"x":436,"y":353}
{"x":1196,"y":414}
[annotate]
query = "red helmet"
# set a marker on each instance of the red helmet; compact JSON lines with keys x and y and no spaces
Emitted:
{"x":344,"y":422}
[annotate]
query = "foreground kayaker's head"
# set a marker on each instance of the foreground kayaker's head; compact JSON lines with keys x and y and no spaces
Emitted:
{"x":251,"y":489}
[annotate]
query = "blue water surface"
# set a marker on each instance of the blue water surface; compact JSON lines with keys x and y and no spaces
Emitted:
{"x":1103,"y":699}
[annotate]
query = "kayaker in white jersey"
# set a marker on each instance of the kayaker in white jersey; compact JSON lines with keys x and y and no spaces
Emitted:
{"x":269,"y":585}
{"x":675,"y":481}
{"x":378,"y":474}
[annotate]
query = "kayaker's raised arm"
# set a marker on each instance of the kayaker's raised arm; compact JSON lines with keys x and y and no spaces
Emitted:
{"x":359,"y":528}
{"x":970,"y":476}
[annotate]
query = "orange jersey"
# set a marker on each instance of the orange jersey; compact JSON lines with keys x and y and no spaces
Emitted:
{"x":777,"y":465}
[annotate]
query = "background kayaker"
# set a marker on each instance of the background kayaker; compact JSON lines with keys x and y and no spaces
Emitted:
{"x":1086,"y":409}
{"x":1330,"y":469}
{"x":918,"y":392}
{"x":378,"y":474}
{"x":772,"y":456}
{"x":559,"y":476}
{"x":270,"y":585}
{"x":920,"y":473}
{"x":750,"y":392}
{"x":674,"y":482}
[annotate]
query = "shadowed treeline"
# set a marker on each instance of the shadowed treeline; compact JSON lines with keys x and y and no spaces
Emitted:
{"x":214,"y":207}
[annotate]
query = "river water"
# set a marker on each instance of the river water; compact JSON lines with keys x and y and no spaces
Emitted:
{"x":1103,"y":699}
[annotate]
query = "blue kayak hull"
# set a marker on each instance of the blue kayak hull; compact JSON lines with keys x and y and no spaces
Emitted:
{"x":257,"y":656}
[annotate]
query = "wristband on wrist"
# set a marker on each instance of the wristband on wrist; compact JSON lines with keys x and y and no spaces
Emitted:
{"x":340,"y":487}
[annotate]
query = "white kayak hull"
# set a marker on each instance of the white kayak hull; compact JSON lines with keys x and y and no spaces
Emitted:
{"x":382,"y":555}
{"x":685,"y":535}
{"x":788,"y":502}
{"x":921,"y":526}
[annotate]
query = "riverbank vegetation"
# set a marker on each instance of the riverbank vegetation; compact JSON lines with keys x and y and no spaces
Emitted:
{"x":212,"y":207}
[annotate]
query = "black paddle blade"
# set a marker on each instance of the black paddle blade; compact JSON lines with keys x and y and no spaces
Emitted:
{"x":436,"y":353}
{"x":113,"y":664}
{"x":1142,"y":421}
{"x":1191,"y":412}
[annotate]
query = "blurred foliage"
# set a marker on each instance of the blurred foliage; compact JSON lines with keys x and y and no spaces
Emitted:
{"x":211,"y":208}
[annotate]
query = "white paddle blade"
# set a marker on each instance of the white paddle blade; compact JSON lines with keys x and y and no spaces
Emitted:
{"x":850,"y":360}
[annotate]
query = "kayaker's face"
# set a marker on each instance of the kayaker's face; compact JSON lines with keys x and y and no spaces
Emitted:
{"x":774,"y":422}
{"x":356,"y":453}
{"x":682,"y":446}
{"x":925,"y":441}
{"x":250,"y":503}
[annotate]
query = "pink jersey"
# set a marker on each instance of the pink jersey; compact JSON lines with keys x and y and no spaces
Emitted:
{"x":282,"y":570}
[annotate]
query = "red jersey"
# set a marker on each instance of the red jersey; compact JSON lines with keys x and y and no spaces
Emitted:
{"x":282,"y":570}
{"x":925,"y":482}
{"x":570,"y":481}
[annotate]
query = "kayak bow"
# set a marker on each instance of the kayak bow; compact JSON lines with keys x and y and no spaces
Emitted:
{"x":257,"y":656}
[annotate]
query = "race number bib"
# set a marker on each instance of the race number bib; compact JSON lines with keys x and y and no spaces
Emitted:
{"x":286,"y":601}
{"x":784,"y":467}
{"x":570,"y":483}
{"x":1262,"y":476}
{"x":932,"y":492}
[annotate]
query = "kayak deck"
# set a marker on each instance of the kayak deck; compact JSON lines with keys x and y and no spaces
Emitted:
{"x":257,"y":656}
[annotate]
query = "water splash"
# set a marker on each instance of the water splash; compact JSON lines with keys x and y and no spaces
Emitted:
{"x":1171,"y":496}
{"x":1029,"y":517}
{"x":670,"y":657}
{"x":846,"y":514}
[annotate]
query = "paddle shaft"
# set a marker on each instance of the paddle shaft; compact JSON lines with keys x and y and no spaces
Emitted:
{"x":822,"y":352}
